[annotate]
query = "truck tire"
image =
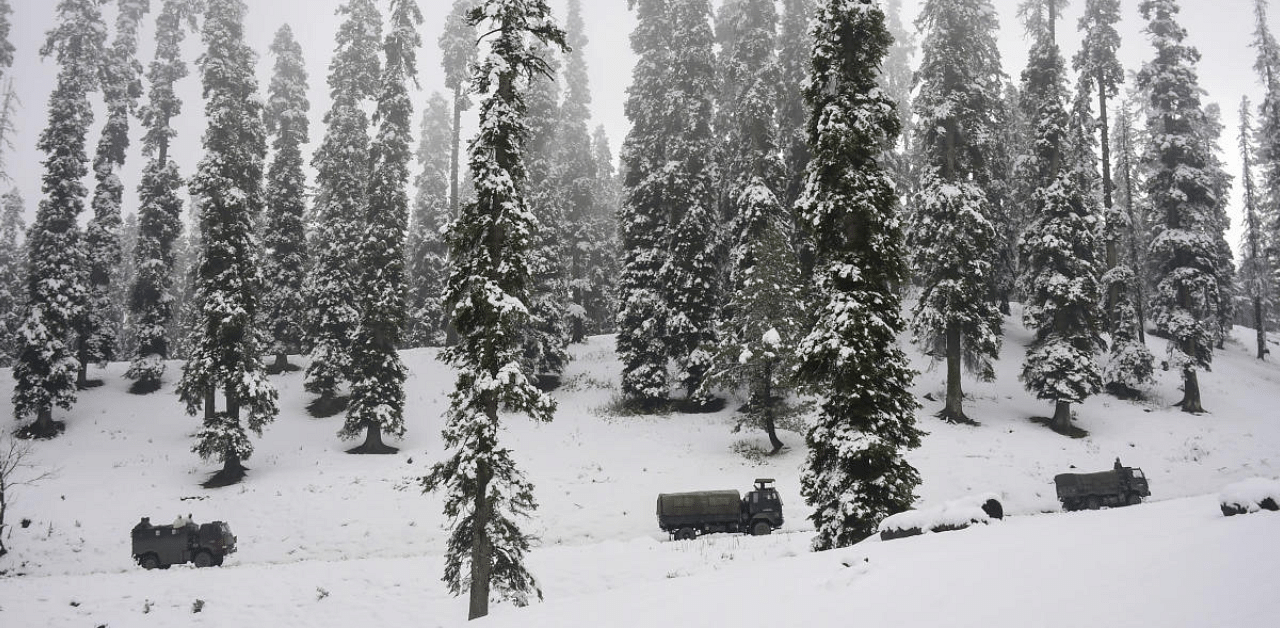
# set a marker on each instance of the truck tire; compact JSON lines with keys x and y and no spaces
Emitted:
{"x":203,"y":559}
{"x":1094,"y":503}
{"x":1133,"y":500}
{"x":149,"y":561}
{"x":686,"y":534}
{"x":761,"y":528}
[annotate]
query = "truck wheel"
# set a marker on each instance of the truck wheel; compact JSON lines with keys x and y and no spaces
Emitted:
{"x":203,"y":559}
{"x":1133,"y":500}
{"x":686,"y":534}
{"x":149,"y":561}
{"x":761,"y":528}
{"x":1094,"y":503}
{"x":217,"y":560}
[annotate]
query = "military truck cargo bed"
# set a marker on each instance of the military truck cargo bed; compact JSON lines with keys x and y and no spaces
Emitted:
{"x":676,"y":510}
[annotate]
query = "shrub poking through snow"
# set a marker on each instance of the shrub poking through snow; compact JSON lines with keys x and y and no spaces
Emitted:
{"x":1251,"y":495}
{"x":958,"y":514}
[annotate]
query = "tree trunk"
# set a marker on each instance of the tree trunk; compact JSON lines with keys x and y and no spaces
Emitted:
{"x":453,"y":152}
{"x":1113,"y":246}
{"x":210,"y":399}
{"x":1061,"y":418}
{"x":1261,"y":326}
{"x":1190,"y":392}
{"x":282,"y":362}
{"x":373,"y":442}
{"x":481,"y":550}
{"x":82,"y":373}
{"x":770,"y":427}
{"x":954,"y":410}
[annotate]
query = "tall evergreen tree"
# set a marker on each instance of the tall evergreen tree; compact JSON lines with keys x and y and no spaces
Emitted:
{"x":1256,"y":275}
{"x":488,"y":294}
{"x":586,"y":239}
{"x":1268,"y":130}
{"x":855,"y":473}
{"x":426,"y":248}
{"x":1220,"y":182}
{"x":1128,"y":192}
{"x":644,"y":223}
{"x":285,"y":237}
{"x":951,"y":232}
{"x":1184,"y":257}
{"x":377,"y":389}
{"x":458,"y":53}
{"x":547,"y":336}
{"x":1060,"y":271}
{"x":342,"y":178}
{"x":121,"y":289}
{"x":152,"y":297}
{"x":226,"y":343}
{"x":763,"y":314}
{"x":795,"y":46}
{"x":46,"y":368}
{"x":604,"y":260}
{"x":897,"y":78}
{"x":12,"y":296}
{"x":121,"y":87}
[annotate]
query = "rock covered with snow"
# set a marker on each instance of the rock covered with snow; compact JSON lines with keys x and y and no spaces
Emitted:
{"x":1250,"y":495}
{"x":957,"y":514}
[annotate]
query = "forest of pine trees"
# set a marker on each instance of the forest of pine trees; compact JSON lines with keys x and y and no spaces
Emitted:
{"x":804,"y":185}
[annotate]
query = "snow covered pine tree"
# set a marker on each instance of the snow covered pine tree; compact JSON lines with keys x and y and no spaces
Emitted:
{"x":226,"y":344}
{"x":855,"y":474}
{"x":488,"y":295}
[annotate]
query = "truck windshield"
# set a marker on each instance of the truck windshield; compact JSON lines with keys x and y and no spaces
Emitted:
{"x":1137,"y":473}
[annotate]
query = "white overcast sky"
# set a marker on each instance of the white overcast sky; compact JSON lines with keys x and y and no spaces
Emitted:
{"x":1221,"y":29}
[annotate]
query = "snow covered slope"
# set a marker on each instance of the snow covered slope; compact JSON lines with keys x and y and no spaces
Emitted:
{"x":328,"y":539}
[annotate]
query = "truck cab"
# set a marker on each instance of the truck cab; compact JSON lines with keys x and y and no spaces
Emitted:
{"x":763,"y":505}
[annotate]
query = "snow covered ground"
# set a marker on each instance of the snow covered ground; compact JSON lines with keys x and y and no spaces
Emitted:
{"x":328,"y":539}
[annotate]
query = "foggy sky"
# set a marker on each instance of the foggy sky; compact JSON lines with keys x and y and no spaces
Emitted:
{"x":1221,"y":29}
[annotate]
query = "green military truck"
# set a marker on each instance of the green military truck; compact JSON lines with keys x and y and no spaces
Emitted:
{"x":205,"y":544}
{"x":686,"y":515}
{"x":1121,"y":486}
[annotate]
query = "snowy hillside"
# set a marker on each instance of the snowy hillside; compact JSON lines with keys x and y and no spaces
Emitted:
{"x":329,"y":539}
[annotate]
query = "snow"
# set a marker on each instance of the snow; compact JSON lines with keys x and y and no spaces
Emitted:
{"x":330,"y":539}
{"x":1249,"y":494}
{"x":956,"y":513}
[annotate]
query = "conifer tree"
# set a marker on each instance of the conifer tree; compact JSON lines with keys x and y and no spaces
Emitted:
{"x":226,"y":343}
{"x":12,"y":296}
{"x":1184,"y":257}
{"x":1256,"y":276}
{"x":122,"y":286}
{"x":153,"y":297}
{"x":426,"y":248}
{"x":603,"y":258}
{"x":951,"y":231}
{"x":763,"y":314}
{"x":897,"y":78}
{"x":121,"y":87}
{"x":1128,"y":189}
{"x":794,"y":49}
{"x":46,"y":368}
{"x":1267,"y":66}
{"x":342,"y":178}
{"x":855,"y":473}
{"x":644,"y":222}
{"x":586,"y":239}
{"x":547,"y":336}
{"x":1220,"y":181}
{"x":458,"y":53}
{"x":377,"y":388}
{"x":488,"y":295}
{"x":286,"y":197}
{"x":1060,"y":273}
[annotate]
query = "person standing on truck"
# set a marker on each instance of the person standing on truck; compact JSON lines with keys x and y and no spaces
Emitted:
{"x":1118,"y":465}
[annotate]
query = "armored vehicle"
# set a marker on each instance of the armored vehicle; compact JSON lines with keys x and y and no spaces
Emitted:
{"x":686,"y":515}
{"x":205,"y":544}
{"x":1121,"y":486}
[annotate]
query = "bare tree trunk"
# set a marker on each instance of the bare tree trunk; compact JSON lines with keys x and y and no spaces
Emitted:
{"x":282,"y":362}
{"x":1261,"y":325}
{"x":954,"y":410}
{"x":1061,"y":418}
{"x":770,"y":426}
{"x":481,"y":546}
{"x":1190,"y":392}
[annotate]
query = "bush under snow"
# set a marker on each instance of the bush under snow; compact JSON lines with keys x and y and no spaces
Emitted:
{"x":953,"y":515}
{"x":1250,"y":495}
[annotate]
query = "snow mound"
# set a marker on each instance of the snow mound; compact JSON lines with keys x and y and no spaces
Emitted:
{"x":953,"y":515}
{"x":1250,"y":495}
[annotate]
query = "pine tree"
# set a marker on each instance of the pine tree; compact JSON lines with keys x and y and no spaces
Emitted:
{"x":152,"y":298}
{"x":488,"y":293}
{"x":1268,"y":132}
{"x":763,"y":314}
{"x":226,"y":343}
{"x":644,"y":222}
{"x":121,"y":288}
{"x":342,"y":177}
{"x":794,"y":49}
{"x":1220,"y":183}
{"x":585,"y":231}
{"x":426,"y":249}
{"x":1060,"y":273}
{"x":1184,"y":257}
{"x":46,"y":368}
{"x":1256,"y":275}
{"x":855,"y":474}
{"x":458,"y":54}
{"x":1128,"y":188}
{"x":377,"y":389}
{"x":951,"y":232}
{"x":285,"y":237}
{"x":603,"y":259}
{"x":12,"y":297}
{"x":897,"y":78}
{"x":121,"y":87}
{"x":547,"y":336}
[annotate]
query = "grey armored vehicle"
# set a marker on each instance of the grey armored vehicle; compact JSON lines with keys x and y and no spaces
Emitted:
{"x":1121,"y":486}
{"x":686,"y":515}
{"x":205,"y":544}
